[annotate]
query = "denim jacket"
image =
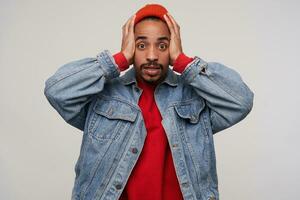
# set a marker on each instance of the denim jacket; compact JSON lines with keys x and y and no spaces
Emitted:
{"x":90,"y":95}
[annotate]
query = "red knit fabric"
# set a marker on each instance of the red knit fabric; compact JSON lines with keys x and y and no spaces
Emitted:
{"x":153,"y":176}
{"x":121,"y":61}
{"x":148,"y":10}
{"x":181,"y":62}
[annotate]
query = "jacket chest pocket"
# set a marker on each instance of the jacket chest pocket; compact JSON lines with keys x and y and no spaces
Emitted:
{"x":190,"y":111}
{"x":190,"y":124}
{"x":110,"y":118}
{"x":193,"y":131}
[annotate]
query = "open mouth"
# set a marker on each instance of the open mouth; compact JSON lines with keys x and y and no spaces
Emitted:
{"x":152,"y":70}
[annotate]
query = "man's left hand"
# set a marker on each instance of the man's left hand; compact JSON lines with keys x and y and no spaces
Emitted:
{"x":175,"y":47}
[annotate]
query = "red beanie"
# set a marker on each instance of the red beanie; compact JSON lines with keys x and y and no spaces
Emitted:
{"x":150,"y":10}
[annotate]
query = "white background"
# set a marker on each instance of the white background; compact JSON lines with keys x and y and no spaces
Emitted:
{"x":256,"y":159}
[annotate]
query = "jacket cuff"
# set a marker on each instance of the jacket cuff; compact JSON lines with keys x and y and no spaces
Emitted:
{"x":109,"y":67}
{"x":181,"y":62}
{"x":121,"y":61}
{"x":198,"y":66}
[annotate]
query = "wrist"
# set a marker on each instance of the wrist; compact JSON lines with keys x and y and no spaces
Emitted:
{"x":175,"y":56}
{"x":121,"y":61}
{"x":127,"y":56}
{"x":181,"y":62}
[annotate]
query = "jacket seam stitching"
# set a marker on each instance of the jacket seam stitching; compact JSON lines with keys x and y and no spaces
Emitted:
{"x":54,"y":82}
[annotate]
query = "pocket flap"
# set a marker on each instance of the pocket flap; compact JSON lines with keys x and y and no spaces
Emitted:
{"x":114,"y":109}
{"x":190,"y":110}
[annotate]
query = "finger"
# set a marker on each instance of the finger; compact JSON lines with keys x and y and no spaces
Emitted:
{"x":124,"y":32}
{"x":172,"y":20}
{"x":131,"y":25}
{"x":170,"y":25}
{"x":176,"y":26}
{"x":126,"y":26}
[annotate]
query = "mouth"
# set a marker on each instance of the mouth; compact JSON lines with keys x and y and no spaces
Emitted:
{"x":151,"y":70}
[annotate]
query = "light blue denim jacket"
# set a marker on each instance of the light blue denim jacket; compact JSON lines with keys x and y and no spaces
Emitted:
{"x":90,"y":95}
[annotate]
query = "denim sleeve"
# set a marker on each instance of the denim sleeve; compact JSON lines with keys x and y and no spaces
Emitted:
{"x":73,"y":86}
{"x":229,"y":99}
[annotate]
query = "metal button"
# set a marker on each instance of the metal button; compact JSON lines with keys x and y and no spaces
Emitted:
{"x":118,"y":186}
{"x":174,"y":145}
{"x":134,"y":150}
{"x":212,"y":198}
{"x":186,"y":184}
{"x":193,"y":118}
{"x":203,"y":68}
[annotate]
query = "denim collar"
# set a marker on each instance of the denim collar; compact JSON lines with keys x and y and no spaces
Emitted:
{"x":129,"y":77}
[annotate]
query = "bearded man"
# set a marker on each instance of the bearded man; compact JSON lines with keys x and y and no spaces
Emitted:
{"x":148,"y":134}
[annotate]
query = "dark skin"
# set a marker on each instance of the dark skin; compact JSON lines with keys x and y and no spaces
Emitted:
{"x":152,"y":45}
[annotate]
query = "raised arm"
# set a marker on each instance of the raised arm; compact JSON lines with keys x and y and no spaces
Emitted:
{"x":227,"y":96}
{"x":74,"y":84}
{"x":224,"y":91}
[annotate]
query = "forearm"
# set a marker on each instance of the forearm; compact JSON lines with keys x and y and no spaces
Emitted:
{"x":74,"y":84}
{"x":228,"y":97}
{"x":121,"y":61}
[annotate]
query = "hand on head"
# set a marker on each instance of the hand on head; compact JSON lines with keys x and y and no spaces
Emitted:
{"x":128,"y":43}
{"x":128,"y":39}
{"x":175,"y":47}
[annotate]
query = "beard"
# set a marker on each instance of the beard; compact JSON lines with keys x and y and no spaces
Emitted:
{"x":151,"y":72}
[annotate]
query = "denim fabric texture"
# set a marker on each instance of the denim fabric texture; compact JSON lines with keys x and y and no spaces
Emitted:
{"x":90,"y":95}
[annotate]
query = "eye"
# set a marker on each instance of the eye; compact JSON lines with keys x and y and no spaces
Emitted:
{"x":162,"y":46}
{"x":141,"y":46}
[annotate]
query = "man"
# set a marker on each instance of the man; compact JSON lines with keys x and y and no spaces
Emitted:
{"x":149,"y":133}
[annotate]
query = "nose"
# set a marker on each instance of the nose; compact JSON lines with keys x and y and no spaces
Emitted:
{"x":152,"y":54}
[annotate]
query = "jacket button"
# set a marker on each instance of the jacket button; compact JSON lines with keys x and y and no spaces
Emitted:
{"x":174,"y":145}
{"x":134,"y":150}
{"x":193,"y":118}
{"x":203,"y":68}
{"x":186,"y":184}
{"x":212,"y":198}
{"x":118,"y":186}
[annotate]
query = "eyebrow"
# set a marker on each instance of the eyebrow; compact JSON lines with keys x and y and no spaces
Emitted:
{"x":141,"y":38}
{"x":163,"y":38}
{"x":144,"y":38}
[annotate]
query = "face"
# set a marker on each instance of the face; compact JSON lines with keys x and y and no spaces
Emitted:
{"x":151,"y":59}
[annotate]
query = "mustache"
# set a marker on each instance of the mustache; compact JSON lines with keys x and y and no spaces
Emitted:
{"x":152,"y":63}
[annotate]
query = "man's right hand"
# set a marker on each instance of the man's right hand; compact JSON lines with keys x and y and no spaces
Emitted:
{"x":128,"y":43}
